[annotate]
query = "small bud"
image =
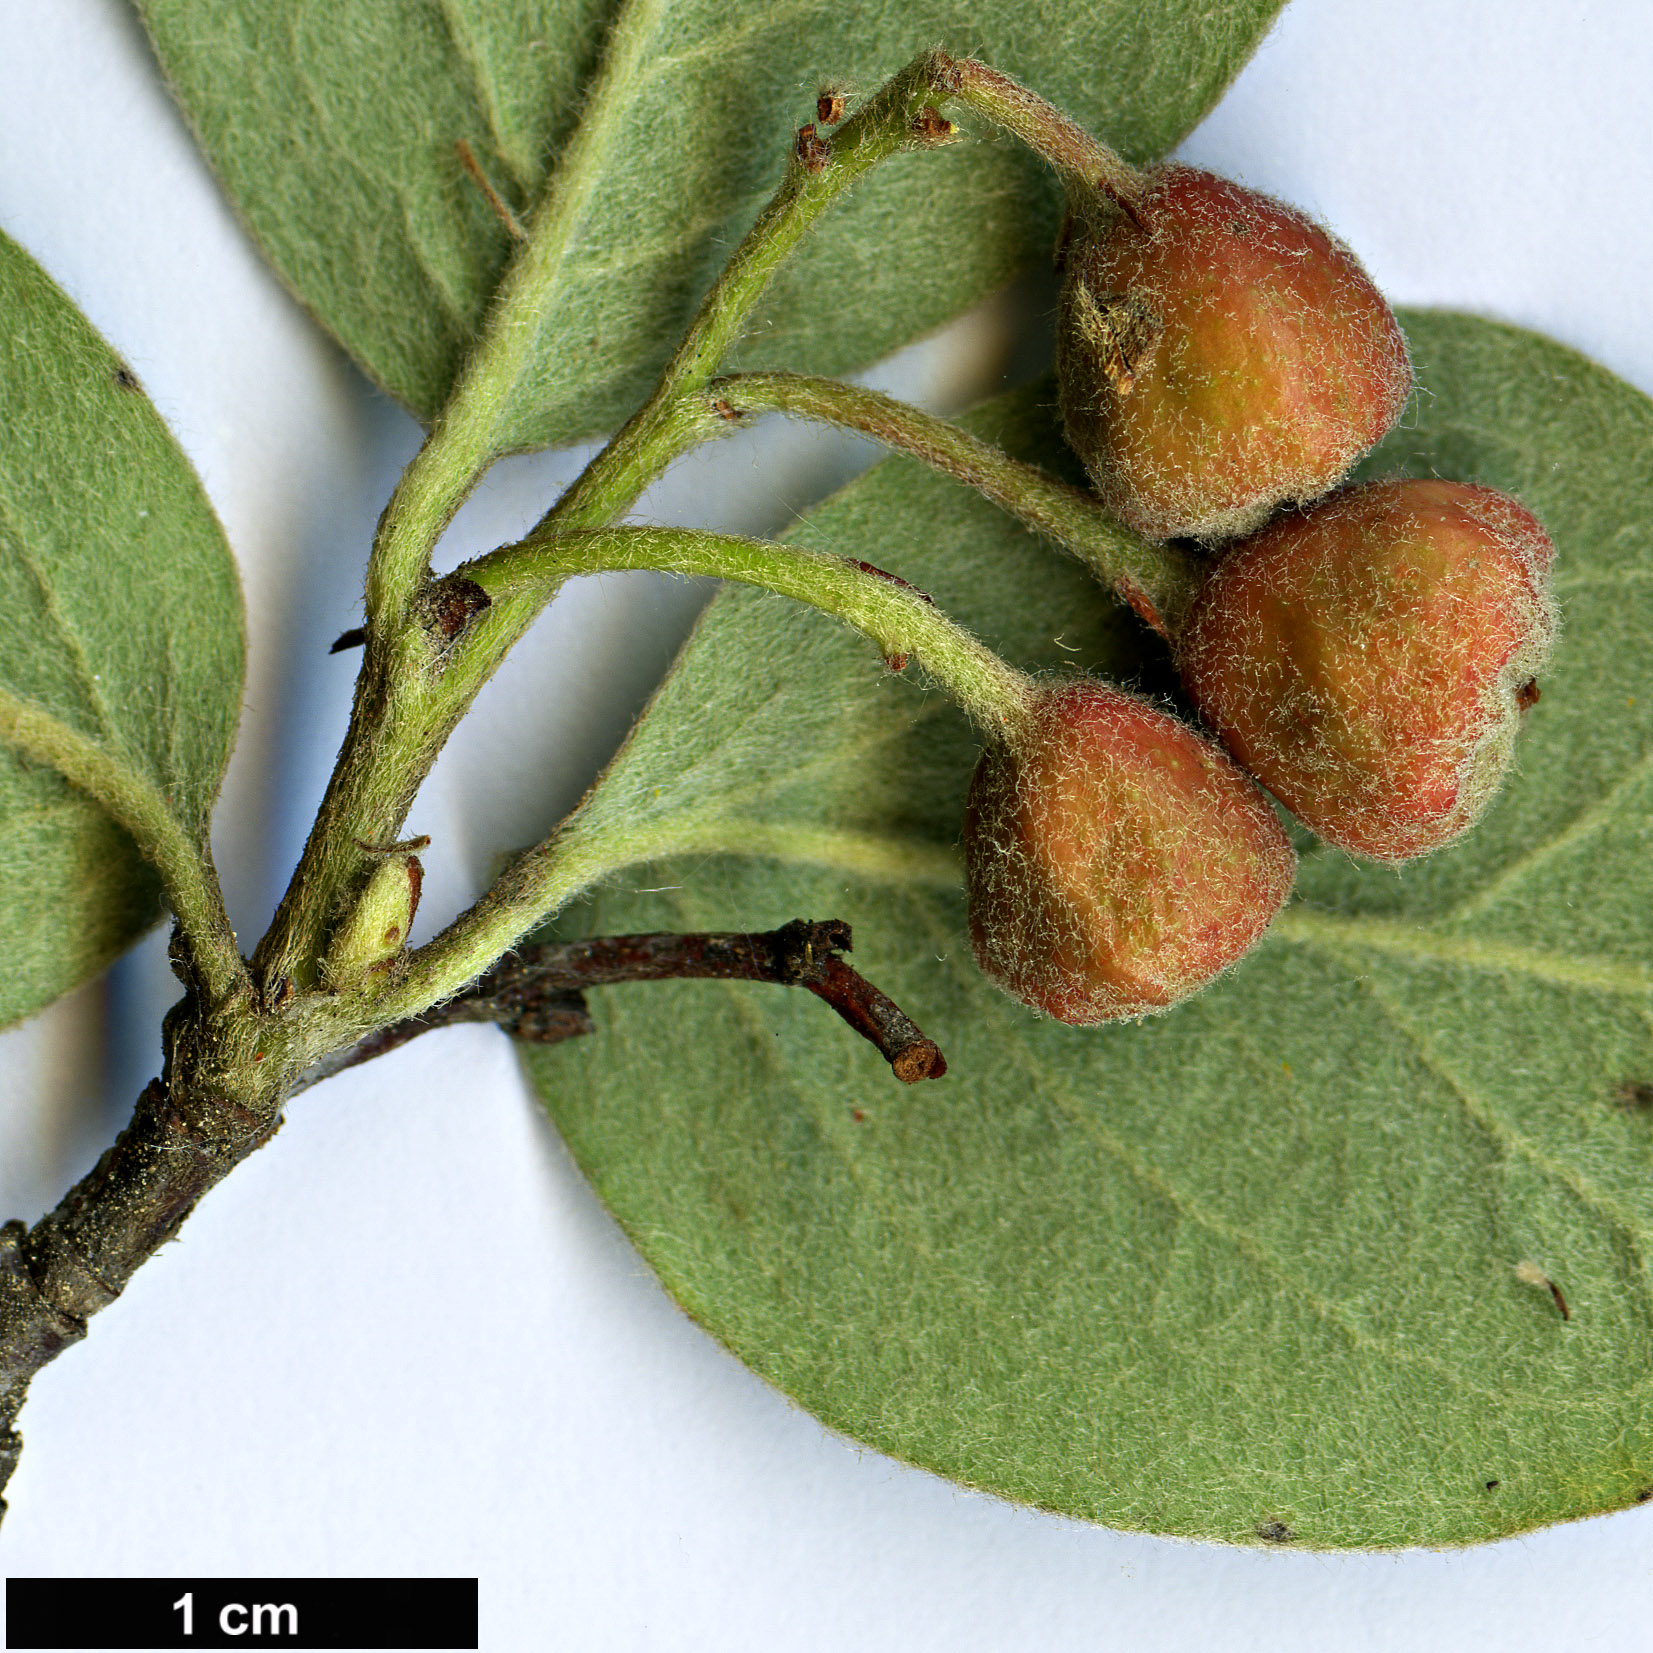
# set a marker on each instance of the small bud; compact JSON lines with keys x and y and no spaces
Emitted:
{"x":377,"y":929}
{"x":1116,"y":860}
{"x":1369,"y":660}
{"x":1219,"y":354}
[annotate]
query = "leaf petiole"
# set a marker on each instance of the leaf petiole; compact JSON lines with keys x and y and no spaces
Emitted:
{"x":184,"y":864}
{"x":469,"y":433}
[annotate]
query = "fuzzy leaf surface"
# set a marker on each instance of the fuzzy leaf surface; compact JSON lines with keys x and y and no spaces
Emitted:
{"x":334,"y":129}
{"x":120,"y":619}
{"x":1245,"y":1272}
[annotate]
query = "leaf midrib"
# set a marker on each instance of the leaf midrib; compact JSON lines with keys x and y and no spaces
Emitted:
{"x":1509,"y":1141}
{"x":1301,"y":925}
{"x":1328,"y":1310}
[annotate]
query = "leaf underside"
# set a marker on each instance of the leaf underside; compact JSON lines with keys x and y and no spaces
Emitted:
{"x":120,"y":617}
{"x":334,"y":129}
{"x":1246,"y":1272}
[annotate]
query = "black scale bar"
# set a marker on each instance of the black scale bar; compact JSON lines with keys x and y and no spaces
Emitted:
{"x":108,"y":1615}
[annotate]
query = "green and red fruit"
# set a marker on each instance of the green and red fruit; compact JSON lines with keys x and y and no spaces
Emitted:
{"x":1220,"y":355}
{"x":1369,"y":660}
{"x":1117,"y":861}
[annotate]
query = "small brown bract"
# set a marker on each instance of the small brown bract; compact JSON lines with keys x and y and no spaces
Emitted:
{"x":812,"y":151}
{"x":932,"y":124}
{"x":455,"y":602}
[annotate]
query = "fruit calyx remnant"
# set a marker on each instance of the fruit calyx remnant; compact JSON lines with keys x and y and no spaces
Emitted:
{"x":1220,"y":355}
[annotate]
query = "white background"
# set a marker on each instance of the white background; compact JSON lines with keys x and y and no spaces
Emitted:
{"x":613,"y":1478}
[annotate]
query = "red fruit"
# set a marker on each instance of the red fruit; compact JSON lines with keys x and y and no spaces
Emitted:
{"x":1219,"y":355}
{"x":1369,"y":660}
{"x":1116,"y":860}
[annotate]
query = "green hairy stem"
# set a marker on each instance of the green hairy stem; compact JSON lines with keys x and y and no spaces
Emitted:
{"x":901,"y":621}
{"x":238,"y":1043}
{"x":1158,"y":581}
{"x":400,"y":720}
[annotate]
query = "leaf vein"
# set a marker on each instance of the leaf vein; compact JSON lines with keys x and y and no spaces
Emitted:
{"x":1514,"y":1142}
{"x":715,"y":45}
{"x":336,"y":139}
{"x":1587,"y":577}
{"x":73,"y":645}
{"x":1325,"y":1308}
{"x":1599,"y":813}
{"x":1300,"y":926}
{"x":485,"y":89}
{"x":878,"y":858}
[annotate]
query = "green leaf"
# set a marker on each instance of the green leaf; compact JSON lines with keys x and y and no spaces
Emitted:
{"x":1245,"y":1272}
{"x":334,"y":128}
{"x":120,"y":636}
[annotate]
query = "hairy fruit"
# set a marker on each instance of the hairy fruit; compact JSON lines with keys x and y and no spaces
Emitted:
{"x":1369,"y":660}
{"x":1116,"y":860}
{"x":1219,"y":355}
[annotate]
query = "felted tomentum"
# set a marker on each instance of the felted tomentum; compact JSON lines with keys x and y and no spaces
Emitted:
{"x":1369,"y":660}
{"x":1219,"y":355}
{"x":1117,"y":861}
{"x":1119,"y":1210}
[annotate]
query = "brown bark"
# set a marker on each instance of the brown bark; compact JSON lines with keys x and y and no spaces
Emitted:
{"x":180,"y":1141}
{"x":185,"y":1136}
{"x":537,"y":992}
